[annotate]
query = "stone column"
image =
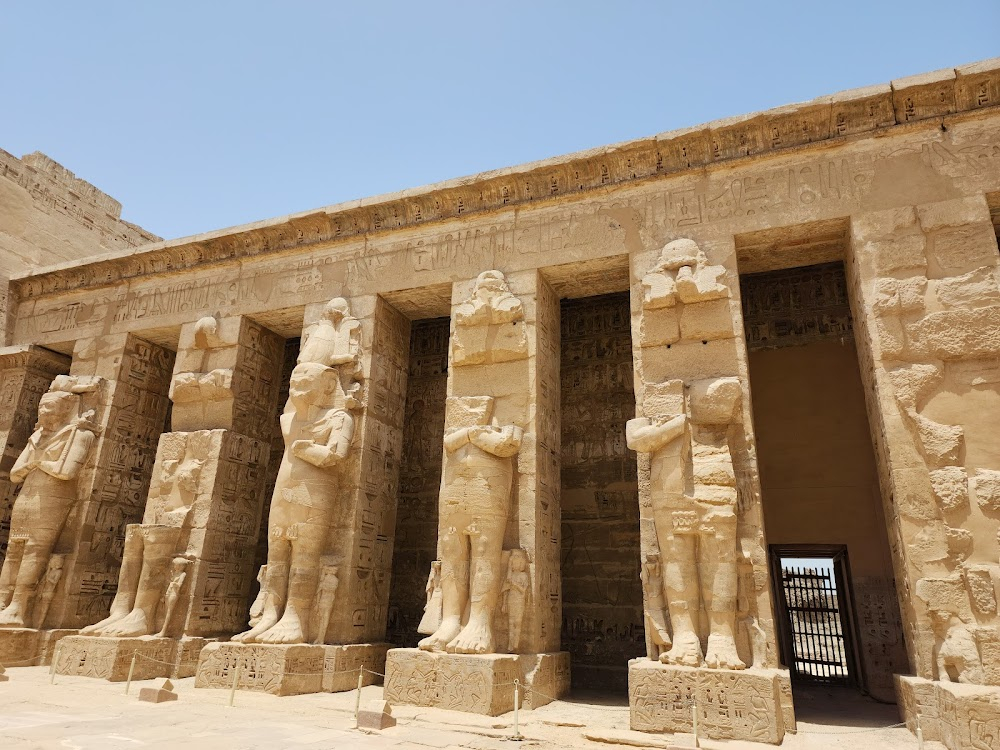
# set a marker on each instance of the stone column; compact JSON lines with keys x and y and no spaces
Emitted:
{"x":708,"y":613}
{"x":26,"y":372}
{"x":121,"y":382}
{"x":343,"y":431}
{"x":498,"y":614}
{"x":188,"y":566}
{"x":927,"y":310}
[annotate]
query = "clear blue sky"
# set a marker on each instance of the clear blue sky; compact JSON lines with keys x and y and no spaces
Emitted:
{"x":201,"y":115}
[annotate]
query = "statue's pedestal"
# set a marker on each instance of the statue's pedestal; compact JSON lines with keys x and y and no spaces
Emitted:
{"x":961,"y":717}
{"x":292,"y":669}
{"x":745,"y":704}
{"x":110,"y":658}
{"x":29,"y":646}
{"x":482,"y":684}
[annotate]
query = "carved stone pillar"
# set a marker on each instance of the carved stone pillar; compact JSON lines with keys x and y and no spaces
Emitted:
{"x":188,"y":566}
{"x":121,"y":383}
{"x":927,"y":312}
{"x":710,"y":633}
{"x":498,"y":614}
{"x":25,"y":374}
{"x":321,"y":614}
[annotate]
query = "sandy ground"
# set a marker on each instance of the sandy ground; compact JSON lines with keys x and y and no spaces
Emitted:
{"x":78,"y":713}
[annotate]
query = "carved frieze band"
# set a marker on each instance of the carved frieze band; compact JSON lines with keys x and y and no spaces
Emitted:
{"x":938,"y":94}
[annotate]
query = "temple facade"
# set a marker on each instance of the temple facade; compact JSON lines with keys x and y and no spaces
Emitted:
{"x":700,"y":419}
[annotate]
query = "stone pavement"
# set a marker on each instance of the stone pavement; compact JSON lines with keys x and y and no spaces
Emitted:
{"x":80,"y":713}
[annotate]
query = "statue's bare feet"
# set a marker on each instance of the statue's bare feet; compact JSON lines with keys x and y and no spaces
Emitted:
{"x":12,"y":617}
{"x":475,"y":638}
{"x":721,"y":653}
{"x":686,"y":651}
{"x":131,"y":625}
{"x":98,"y":627}
{"x":447,"y":631}
{"x":249,"y":636}
{"x":287,"y":630}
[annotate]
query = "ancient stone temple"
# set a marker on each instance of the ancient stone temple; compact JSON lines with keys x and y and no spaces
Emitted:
{"x":700,"y":420}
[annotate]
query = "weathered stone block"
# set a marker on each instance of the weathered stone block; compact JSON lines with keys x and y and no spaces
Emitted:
{"x":110,"y":658}
{"x":743,"y":705}
{"x":956,"y":334}
{"x":659,"y":326}
{"x":28,"y":646}
{"x":952,"y":213}
{"x":957,"y":250}
{"x":897,"y":253}
{"x":986,"y":485}
{"x":960,"y":716}
{"x":376,"y":715}
{"x":951,"y":487}
{"x":482,"y":684}
{"x":707,"y":321}
{"x":287,"y":669}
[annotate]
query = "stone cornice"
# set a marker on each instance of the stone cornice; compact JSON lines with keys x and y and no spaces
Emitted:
{"x":36,"y":357}
{"x":850,"y":113}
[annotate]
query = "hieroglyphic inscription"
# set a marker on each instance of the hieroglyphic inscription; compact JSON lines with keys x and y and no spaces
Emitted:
{"x":602,"y":597}
{"x":136,"y":418}
{"x":880,"y":632}
{"x":795,"y":306}
{"x":415,"y":545}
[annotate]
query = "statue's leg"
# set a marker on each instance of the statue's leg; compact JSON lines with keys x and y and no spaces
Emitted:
{"x":159,"y":545}
{"x":8,"y":574}
{"x":719,"y":580}
{"x":487,"y":550}
{"x":275,"y":587}
{"x":306,"y":549}
{"x":35,"y":559}
{"x":454,"y":586}
{"x":128,"y":581}
{"x":680,"y":579}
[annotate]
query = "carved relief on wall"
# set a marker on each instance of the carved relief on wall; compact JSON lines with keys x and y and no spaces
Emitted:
{"x":602,"y":616}
{"x":48,"y":467}
{"x":795,"y":306}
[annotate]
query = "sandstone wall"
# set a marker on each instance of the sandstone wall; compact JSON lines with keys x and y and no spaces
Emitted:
{"x":48,"y":215}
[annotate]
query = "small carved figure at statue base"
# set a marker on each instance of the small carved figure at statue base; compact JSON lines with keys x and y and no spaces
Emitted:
{"x":326,"y":595}
{"x":654,"y":610}
{"x":515,"y":596}
{"x":431,"y":620}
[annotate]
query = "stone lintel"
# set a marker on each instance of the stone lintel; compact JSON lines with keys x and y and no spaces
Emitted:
{"x":111,"y":658}
{"x":29,"y":646}
{"x":292,"y":669}
{"x":475,"y":683}
{"x":959,"y":716}
{"x":731,"y":704}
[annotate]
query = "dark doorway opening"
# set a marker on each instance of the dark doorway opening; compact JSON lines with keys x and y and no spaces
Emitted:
{"x":602,"y":594}
{"x":415,"y":541}
{"x":816,"y":614}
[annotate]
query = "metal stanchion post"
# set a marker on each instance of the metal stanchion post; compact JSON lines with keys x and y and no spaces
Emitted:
{"x":517,"y":701}
{"x":55,"y":658}
{"x":131,"y":670}
{"x":694,"y":723}
{"x":920,"y":734}
{"x":236,"y":681}
{"x":357,"y":700}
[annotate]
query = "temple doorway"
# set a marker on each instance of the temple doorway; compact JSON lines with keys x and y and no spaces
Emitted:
{"x":415,"y":541}
{"x":820,"y":488}
{"x":601,"y":590}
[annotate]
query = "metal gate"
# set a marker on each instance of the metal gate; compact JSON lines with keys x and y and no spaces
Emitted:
{"x":815,"y":621}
